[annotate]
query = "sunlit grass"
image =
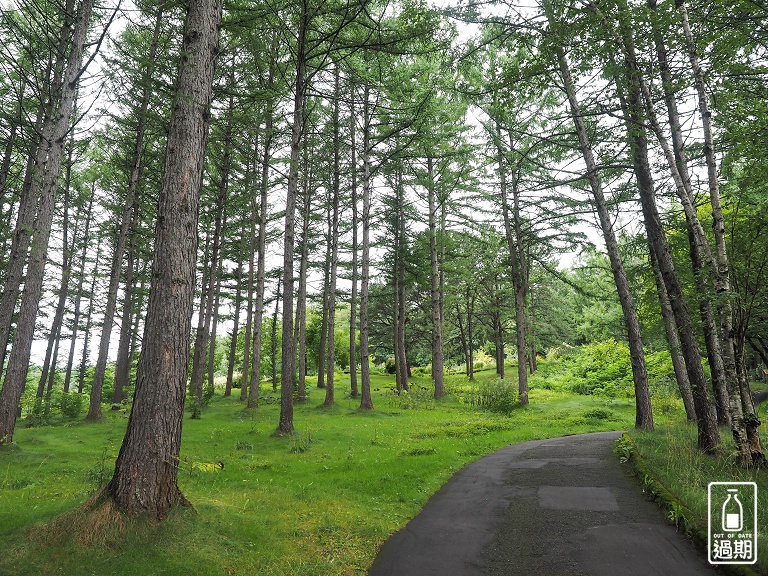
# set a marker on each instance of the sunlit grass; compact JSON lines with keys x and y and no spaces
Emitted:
{"x":320,"y":502}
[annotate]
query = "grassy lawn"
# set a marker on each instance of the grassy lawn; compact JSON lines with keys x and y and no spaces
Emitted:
{"x":320,"y":502}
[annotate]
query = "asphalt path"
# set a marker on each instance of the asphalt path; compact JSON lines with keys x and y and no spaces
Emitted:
{"x":559,"y":507}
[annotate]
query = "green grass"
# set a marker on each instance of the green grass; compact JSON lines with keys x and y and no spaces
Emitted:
{"x":320,"y":502}
{"x":669,"y":457}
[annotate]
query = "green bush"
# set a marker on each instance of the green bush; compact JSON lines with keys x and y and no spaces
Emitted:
{"x":71,"y":404}
{"x":497,"y":396}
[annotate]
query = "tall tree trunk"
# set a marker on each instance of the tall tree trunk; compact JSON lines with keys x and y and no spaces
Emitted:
{"x":49,"y":365}
{"x":469,"y":303}
{"x":334,"y":245}
{"x":643,"y":413}
{"x":123,"y":362}
{"x":704,"y":267}
{"x":739,"y":410}
{"x":146,"y":471}
{"x":253,"y":397}
{"x":244,"y":379}
{"x":25,"y":217}
{"x":512,"y":231}
{"x":199,"y":346}
{"x":203,"y":334}
{"x":366,"y":401}
{"x":321,"y":354}
{"x":301,"y":302}
{"x":94,"y":410}
{"x":88,"y":323}
{"x":79,"y":293}
{"x":45,"y":180}
{"x":354,"y":391}
{"x":434,"y":294}
{"x":673,"y":340}
{"x":273,"y":336}
{"x":285,"y":423}
{"x":401,"y":363}
{"x":708,"y":433}
{"x":235,"y":326}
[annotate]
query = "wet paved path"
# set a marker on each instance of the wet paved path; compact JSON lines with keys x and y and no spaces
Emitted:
{"x":559,"y":507}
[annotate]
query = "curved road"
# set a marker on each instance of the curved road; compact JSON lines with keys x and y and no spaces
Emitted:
{"x":558,"y":507}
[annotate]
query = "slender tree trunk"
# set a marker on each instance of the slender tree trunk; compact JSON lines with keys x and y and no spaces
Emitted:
{"x":88,"y":324}
{"x":44,"y":187}
{"x":643,"y":413}
{"x":678,"y":364}
{"x":285,"y":423}
{"x":321,"y":355}
{"x":235,"y":326}
{"x":203,"y":333}
{"x":199,"y":346}
{"x":244,"y":379}
{"x":708,"y":433}
{"x":301,"y":303}
{"x":79,"y":294}
{"x":354,"y":392}
{"x":334,"y":245}
{"x":366,"y":402}
{"x":435,"y":296}
{"x":51,"y":355}
{"x":273,"y":336}
{"x":146,"y":471}
{"x":25,"y":218}
{"x":519,"y":274}
{"x":532,"y":332}
{"x":123,"y":362}
{"x":401,"y":363}
{"x":463,"y":340}
{"x":738,"y":412}
{"x":469,"y":302}
{"x":253,"y":397}
{"x":214,"y":330}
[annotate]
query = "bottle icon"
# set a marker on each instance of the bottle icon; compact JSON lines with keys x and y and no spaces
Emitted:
{"x":733,"y":512}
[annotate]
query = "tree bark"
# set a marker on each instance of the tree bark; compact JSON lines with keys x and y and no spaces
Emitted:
{"x":49,"y":365}
{"x":285,"y":423}
{"x":334,"y":248}
{"x":434,"y":294}
{"x":643,"y":413}
{"x":253,"y":396}
{"x":146,"y":471}
{"x":88,"y":322}
{"x":708,"y":433}
{"x":47,"y":170}
{"x":513,"y":233}
{"x":25,"y":218}
{"x":79,"y":294}
{"x":354,"y":391}
{"x":673,"y":340}
{"x":366,"y":402}
{"x":235,"y":327}
{"x":739,"y":409}
{"x":301,"y":302}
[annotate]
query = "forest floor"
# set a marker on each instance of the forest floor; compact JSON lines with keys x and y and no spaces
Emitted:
{"x":319,"y":502}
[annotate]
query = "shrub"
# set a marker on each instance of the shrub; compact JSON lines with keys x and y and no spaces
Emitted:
{"x":497,"y":396}
{"x":71,"y":404}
